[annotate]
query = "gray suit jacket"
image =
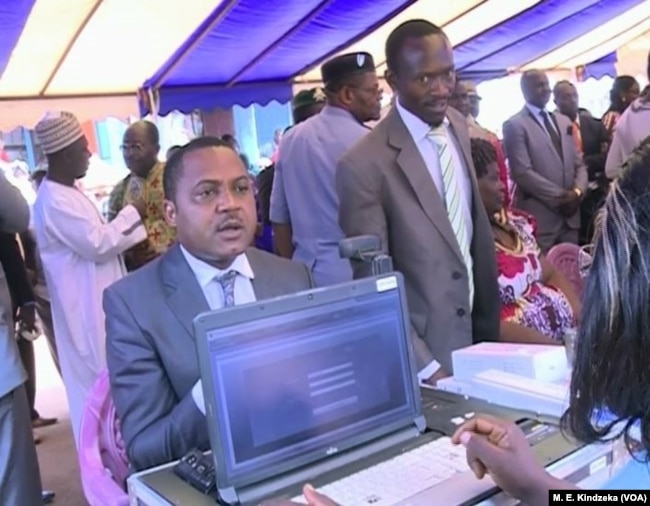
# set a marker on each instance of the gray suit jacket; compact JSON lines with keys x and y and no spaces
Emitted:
{"x":541,"y":175}
{"x":151,"y":351}
{"x":14,"y":219}
{"x":386,"y":190}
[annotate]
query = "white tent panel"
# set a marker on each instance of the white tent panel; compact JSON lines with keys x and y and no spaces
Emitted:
{"x":28,"y":112}
{"x":611,"y":45}
{"x":433,"y":10}
{"x":49,"y":29}
{"x":92,"y":47}
{"x":633,"y":57}
{"x":461,"y":20}
{"x":599,"y":42}
{"x":484,"y":16}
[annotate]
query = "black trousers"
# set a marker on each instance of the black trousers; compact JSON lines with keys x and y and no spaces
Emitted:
{"x":26,"y":349}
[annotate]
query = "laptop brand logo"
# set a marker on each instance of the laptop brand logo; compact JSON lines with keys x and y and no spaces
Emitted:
{"x":331,"y":451}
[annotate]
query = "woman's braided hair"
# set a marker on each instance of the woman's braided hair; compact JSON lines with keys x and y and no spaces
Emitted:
{"x":483,"y":154}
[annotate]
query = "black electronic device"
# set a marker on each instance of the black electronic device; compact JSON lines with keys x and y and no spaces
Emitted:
{"x":197,"y":469}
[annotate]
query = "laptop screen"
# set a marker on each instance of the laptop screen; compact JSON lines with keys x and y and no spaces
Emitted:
{"x":300,"y":383}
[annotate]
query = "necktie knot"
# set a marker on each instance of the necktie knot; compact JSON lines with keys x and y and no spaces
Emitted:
{"x":227,"y":283}
{"x":438,"y":136}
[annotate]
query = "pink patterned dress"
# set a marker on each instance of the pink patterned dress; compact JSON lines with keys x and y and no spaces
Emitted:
{"x":525,"y":300}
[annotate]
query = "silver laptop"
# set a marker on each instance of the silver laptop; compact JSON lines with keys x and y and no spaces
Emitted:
{"x":321,"y":387}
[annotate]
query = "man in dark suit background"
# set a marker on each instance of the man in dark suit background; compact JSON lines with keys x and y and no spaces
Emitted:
{"x":151,"y":353}
{"x":550,"y":175}
{"x":20,"y":479}
{"x":24,"y":301}
{"x":591,"y":140}
{"x":411,"y":182}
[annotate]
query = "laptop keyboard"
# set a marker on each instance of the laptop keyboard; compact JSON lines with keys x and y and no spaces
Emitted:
{"x":397,"y":479}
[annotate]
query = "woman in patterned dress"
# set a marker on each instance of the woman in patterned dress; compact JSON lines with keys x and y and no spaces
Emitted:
{"x":537,"y":302}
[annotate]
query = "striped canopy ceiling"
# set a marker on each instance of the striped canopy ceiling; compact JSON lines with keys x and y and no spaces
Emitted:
{"x":205,"y":54}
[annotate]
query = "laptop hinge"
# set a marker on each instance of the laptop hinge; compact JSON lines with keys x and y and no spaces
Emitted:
{"x":297,"y":478}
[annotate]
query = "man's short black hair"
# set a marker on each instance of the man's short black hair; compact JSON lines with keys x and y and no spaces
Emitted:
{"x":412,"y":29}
{"x":174,"y":166}
{"x":563,"y":82}
{"x":150,"y":129}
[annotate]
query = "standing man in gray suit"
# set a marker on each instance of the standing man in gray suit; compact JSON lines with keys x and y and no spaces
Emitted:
{"x":550,"y":175}
{"x":151,"y":354}
{"x":20,"y":478}
{"x":411,"y":182}
{"x":304,"y":203}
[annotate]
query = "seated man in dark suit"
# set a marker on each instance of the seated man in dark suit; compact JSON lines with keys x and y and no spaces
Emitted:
{"x":151,"y":352}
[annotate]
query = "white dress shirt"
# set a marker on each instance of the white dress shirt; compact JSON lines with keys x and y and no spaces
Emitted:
{"x":419,"y":131}
{"x":206,"y":275}
{"x":537,"y":114}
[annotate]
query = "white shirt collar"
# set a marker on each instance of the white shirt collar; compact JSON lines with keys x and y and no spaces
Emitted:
{"x":205,"y":273}
{"x":416,"y":127}
{"x":535,"y":110}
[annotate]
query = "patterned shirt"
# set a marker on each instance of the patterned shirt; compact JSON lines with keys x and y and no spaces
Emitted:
{"x":160,"y":235}
{"x":525,"y":300}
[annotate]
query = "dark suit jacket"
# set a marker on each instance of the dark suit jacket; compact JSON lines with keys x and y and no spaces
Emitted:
{"x":14,"y":266}
{"x":264,"y":184}
{"x":14,"y":219}
{"x":151,"y":353}
{"x":386,"y":190}
{"x":594,"y":135}
{"x":541,"y":174}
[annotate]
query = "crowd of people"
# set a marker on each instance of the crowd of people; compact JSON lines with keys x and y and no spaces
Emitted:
{"x":466,"y":218}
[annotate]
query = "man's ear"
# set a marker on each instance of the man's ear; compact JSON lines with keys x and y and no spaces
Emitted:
{"x":169,"y":212}
{"x":346,"y":95}
{"x":391,"y":79}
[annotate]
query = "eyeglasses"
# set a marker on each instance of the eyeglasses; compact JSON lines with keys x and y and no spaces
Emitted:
{"x":132,"y":147}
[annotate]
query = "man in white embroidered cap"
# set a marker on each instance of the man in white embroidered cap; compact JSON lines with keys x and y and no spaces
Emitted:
{"x":81,"y":255}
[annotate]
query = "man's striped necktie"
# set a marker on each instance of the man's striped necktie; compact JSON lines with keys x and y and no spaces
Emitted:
{"x":453,"y":200}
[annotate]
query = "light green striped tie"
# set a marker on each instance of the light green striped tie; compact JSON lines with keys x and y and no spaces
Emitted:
{"x":453,"y":200}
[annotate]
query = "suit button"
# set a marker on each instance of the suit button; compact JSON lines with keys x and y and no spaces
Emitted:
{"x":456,"y":275}
{"x":460,"y":312}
